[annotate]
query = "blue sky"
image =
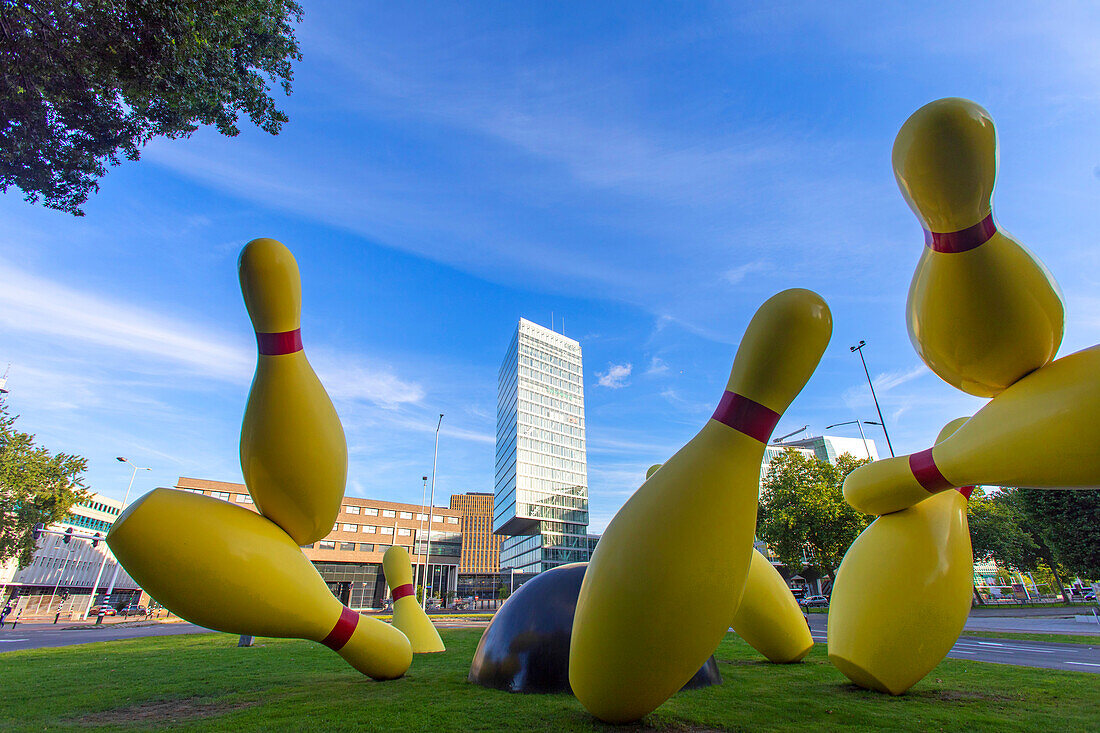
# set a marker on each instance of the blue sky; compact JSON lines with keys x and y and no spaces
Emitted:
{"x":649,"y":173}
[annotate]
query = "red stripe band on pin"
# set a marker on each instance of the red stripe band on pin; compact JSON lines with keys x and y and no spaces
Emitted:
{"x":342,"y":631}
{"x":277,"y":344}
{"x":927,"y":473}
{"x":966,"y":491}
{"x":746,"y":416}
{"x":403,"y":590}
{"x":962,"y":240}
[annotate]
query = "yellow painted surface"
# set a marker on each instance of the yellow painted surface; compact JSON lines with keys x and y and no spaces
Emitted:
{"x":227,"y":568}
{"x":408,"y":616}
{"x":984,"y":318}
{"x":687,"y":531}
{"x":293,"y":450}
{"x":1041,"y":432}
{"x":769,"y":617}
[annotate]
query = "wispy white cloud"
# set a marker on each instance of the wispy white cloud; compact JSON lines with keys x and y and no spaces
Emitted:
{"x":735,"y":275}
{"x":656,"y":366}
{"x":616,"y":376}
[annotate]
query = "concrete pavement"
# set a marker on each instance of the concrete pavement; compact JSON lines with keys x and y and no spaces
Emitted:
{"x":39,"y":635}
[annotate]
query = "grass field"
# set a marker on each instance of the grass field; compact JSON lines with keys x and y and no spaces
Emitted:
{"x":204,"y":682}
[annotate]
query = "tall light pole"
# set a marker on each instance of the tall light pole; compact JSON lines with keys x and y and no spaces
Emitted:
{"x":866,"y":450}
{"x":419,"y":547}
{"x":859,"y":348}
{"x":114,"y":577}
{"x":431,"y":508}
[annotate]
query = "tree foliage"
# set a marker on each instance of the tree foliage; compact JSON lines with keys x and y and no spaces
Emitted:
{"x":82,"y":83}
{"x":1068,"y":523}
{"x":803,"y":512}
{"x":35,"y":487}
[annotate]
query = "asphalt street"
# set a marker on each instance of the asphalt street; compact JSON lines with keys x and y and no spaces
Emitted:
{"x":1047,"y":655}
{"x":35,"y":636}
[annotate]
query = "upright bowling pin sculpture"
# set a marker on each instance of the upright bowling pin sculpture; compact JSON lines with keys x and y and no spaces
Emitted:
{"x":408,"y":616}
{"x":983,"y":311}
{"x":688,"y":530}
{"x":1041,"y":432}
{"x":227,"y":568}
{"x":768,"y":617}
{"x":293,"y":452}
{"x":902,"y":593}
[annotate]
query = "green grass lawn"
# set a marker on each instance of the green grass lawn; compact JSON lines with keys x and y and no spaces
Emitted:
{"x":204,"y":682}
{"x":1061,"y":638}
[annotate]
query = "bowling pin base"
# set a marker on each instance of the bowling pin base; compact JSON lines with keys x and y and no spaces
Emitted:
{"x":863,"y":678}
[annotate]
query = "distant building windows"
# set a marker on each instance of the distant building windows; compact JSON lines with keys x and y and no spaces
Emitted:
{"x":369,"y":529}
{"x":347,"y":546}
{"x":349,"y":509}
{"x":244,"y":499}
{"x":350,"y":527}
{"x":389,"y":513}
{"x":370,"y":511}
{"x":366,"y":547}
{"x":326,"y":545}
{"x":406,"y":515}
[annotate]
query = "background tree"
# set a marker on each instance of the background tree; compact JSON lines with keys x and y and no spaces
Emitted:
{"x":82,"y":83}
{"x":803,"y":512}
{"x":1068,"y":523}
{"x":35,"y":487}
{"x":1002,"y":528}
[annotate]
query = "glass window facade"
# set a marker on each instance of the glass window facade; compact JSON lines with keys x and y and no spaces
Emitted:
{"x":541,"y":489}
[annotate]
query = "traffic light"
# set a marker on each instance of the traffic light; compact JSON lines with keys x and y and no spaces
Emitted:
{"x":68,"y":535}
{"x":38,"y":530}
{"x":95,"y":542}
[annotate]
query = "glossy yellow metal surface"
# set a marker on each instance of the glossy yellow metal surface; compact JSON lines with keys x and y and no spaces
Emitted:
{"x":408,"y":616}
{"x":983,"y":311}
{"x":293,"y":451}
{"x":902,"y":593}
{"x":226,"y":568}
{"x":1041,"y":432}
{"x":769,"y":618}
{"x":688,"y":530}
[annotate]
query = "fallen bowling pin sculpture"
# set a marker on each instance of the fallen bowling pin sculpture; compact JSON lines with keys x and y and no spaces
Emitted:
{"x":903,"y":592}
{"x":293,"y":452}
{"x":224,"y":567}
{"x":768,"y":617}
{"x":408,"y":616}
{"x":688,"y":530}
{"x":1041,"y":433}
{"x":982,"y":312}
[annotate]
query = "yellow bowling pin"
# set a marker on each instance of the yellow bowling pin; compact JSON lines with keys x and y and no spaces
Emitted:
{"x":902,"y":593}
{"x":688,"y":530}
{"x":293,"y":452}
{"x":769,"y":618}
{"x":1041,"y":432}
{"x":408,"y":616}
{"x":227,"y":568}
{"x":983,"y":311}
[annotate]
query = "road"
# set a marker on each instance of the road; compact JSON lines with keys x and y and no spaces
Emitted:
{"x":1046,"y":655}
{"x":35,"y":636}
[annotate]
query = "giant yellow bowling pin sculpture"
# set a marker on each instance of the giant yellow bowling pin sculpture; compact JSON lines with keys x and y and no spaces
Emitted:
{"x":408,"y":616}
{"x":983,"y":311}
{"x":688,"y":530}
{"x":226,"y":568}
{"x":902,"y":593}
{"x":1041,"y":432}
{"x":768,"y":617}
{"x":293,"y":452}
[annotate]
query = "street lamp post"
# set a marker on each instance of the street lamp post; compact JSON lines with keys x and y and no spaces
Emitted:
{"x":419,"y":547}
{"x":866,"y":450}
{"x":114,"y":576}
{"x":859,"y":348}
{"x":431,"y":508}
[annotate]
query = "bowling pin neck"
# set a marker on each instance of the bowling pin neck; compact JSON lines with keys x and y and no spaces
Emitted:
{"x":403,"y":591}
{"x":780,"y":350}
{"x":342,"y":630}
{"x":272,"y":292}
{"x":962,"y":240}
{"x":945,"y":162}
{"x":966,"y":491}
{"x":927,"y":473}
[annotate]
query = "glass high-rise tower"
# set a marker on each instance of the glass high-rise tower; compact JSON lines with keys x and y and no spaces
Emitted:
{"x":541,"y":492}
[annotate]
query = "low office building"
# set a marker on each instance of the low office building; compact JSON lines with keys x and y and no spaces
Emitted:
{"x":349,"y":559}
{"x":61,"y":573}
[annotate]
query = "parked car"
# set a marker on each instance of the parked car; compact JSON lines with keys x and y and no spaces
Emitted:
{"x":815,"y":602}
{"x":107,"y":610}
{"x":133,"y":610}
{"x":1090,"y":597}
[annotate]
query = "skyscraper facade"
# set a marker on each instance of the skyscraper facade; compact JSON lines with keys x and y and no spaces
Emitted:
{"x":480,"y":547}
{"x":541,"y":489}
